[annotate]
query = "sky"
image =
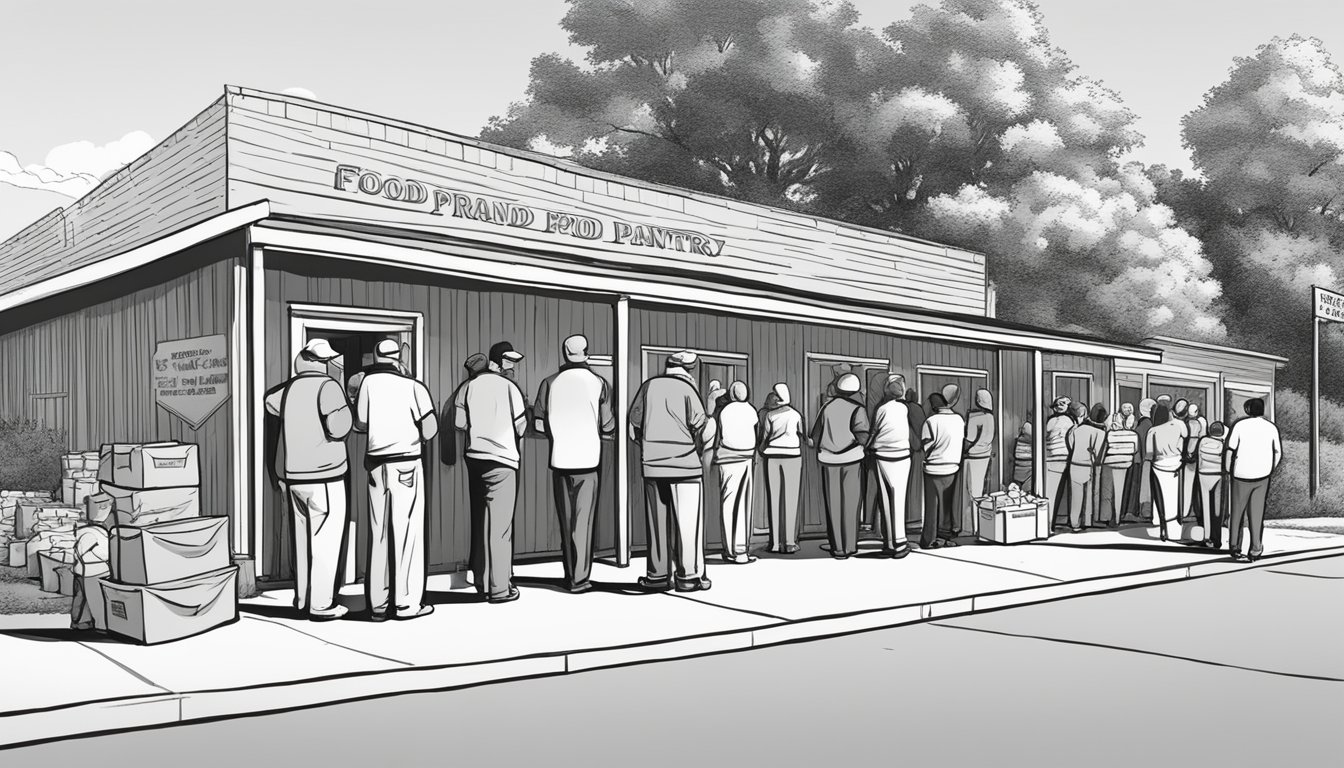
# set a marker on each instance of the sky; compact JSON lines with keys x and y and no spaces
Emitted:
{"x":87,"y":85}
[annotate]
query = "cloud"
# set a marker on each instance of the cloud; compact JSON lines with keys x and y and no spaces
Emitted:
{"x":302,"y":93}
{"x":73,"y":169}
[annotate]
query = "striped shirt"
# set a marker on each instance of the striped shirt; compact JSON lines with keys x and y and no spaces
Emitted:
{"x":1122,"y":445}
{"x":1057,"y":430}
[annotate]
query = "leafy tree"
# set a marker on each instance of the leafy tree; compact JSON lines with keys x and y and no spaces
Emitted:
{"x":1269,"y":142}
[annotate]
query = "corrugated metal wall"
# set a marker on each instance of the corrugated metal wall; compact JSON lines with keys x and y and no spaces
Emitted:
{"x":99,"y":357}
{"x":460,"y":319}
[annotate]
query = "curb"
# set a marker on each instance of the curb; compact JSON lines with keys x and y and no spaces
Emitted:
{"x":153,"y":711}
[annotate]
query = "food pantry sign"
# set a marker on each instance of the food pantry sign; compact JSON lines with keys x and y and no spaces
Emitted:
{"x":438,"y":201}
{"x":191,"y":377}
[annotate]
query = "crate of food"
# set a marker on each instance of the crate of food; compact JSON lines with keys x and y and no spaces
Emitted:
{"x":169,"y":551}
{"x":166,"y":612}
{"x":137,"y":507}
{"x":149,"y":465}
{"x":1008,"y":525}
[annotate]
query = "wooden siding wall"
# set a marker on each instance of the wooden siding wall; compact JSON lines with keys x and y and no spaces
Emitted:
{"x":1235,"y":367}
{"x":459,"y":319}
{"x":1102,"y":370}
{"x":1015,"y":402}
{"x":177,"y":183}
{"x":287,"y":153}
{"x":778,"y":353}
{"x":101,"y":356}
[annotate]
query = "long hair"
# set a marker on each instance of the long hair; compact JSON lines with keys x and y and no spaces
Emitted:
{"x":1161,"y":415}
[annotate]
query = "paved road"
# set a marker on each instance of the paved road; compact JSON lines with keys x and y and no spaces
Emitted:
{"x":1246,"y":669}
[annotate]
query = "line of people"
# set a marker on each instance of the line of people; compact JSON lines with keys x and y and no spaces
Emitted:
{"x":1166,"y":464}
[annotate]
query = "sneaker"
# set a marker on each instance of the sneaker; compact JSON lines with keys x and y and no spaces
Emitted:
{"x":1240,"y":558}
{"x":423,"y":610}
{"x":581,"y":587}
{"x":742,"y":559}
{"x":513,"y":594}
{"x":791,"y":549}
{"x":699,"y":585}
{"x":660,"y":585}
{"x":330,"y":614}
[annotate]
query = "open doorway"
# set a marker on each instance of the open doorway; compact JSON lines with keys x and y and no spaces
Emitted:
{"x":355,"y":333}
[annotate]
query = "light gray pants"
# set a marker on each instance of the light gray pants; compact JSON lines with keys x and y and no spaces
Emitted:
{"x":676,"y":528}
{"x":977,"y":482}
{"x":1248,"y":505}
{"x":493,"y":489}
{"x":320,"y":516}
{"x":783,"y":482}
{"x":735,"y":494}
{"x":893,"y":479}
{"x":396,"y":536}
{"x":576,"y":504}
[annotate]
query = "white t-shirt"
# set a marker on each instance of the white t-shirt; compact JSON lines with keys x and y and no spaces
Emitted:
{"x":737,"y":433}
{"x":493,"y":409}
{"x":891,"y":431}
{"x":1254,"y":448}
{"x":574,"y":405}
{"x":782,"y":432}
{"x":391,"y":407}
{"x":944,"y":442}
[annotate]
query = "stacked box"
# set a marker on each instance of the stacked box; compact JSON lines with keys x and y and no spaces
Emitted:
{"x":10,"y":528}
{"x":50,"y":529}
{"x":171,"y":575}
{"x":1013,"y":517}
{"x":79,"y":477}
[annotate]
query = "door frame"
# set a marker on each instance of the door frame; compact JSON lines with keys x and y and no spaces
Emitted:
{"x":1055,"y":376}
{"x":303,"y":317}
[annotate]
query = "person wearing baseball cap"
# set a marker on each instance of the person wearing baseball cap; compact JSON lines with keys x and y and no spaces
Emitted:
{"x":782,"y":439}
{"x":840,"y":434}
{"x":397,"y":412}
{"x":314,"y":421}
{"x":491,"y":411}
{"x":574,"y":411}
{"x":944,"y":440}
{"x":669,"y":424}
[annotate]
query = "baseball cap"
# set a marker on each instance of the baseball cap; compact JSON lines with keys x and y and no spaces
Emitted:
{"x":683,"y":358}
{"x":576,"y":348}
{"x":319,"y":349}
{"x":387,"y":348}
{"x":476,"y":363}
{"x":849,"y":383}
{"x":504,"y":351}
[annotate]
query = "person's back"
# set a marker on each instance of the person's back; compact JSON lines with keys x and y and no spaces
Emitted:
{"x":1166,"y":443}
{"x":313,"y":449}
{"x":781,"y":431}
{"x":1255,"y":448}
{"x":737,"y":432}
{"x":670,"y":417}
{"x":1057,"y":429}
{"x":980,"y":430}
{"x":574,"y":407}
{"x":944,"y":450}
{"x":1210,"y":455}
{"x":1122,"y":445}
{"x":392,"y":406}
{"x":837,"y":442}
{"x":1087,"y":444}
{"x":891,"y":430}
{"x":492,"y":404}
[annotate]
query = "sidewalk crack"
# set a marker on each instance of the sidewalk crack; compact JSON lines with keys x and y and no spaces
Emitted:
{"x":729,"y":607}
{"x":1305,"y":575}
{"x":127,"y":669}
{"x":987,"y":565}
{"x":325,"y":641}
{"x":1140,"y":651}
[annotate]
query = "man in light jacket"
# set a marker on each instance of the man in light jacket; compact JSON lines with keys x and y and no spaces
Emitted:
{"x":1209,"y":456}
{"x":1087,"y":448}
{"x":840,"y":433}
{"x":735,"y":455}
{"x":980,"y":432}
{"x":1122,"y":445}
{"x":1253,"y":453}
{"x":1057,"y":429}
{"x":890,"y":448}
{"x":491,"y":410}
{"x":782,"y":437}
{"x":398,"y":414}
{"x":574,"y":410}
{"x":315,"y":420}
{"x":669,"y":425}
{"x":944,"y":442}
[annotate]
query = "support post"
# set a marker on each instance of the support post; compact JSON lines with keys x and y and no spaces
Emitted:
{"x":620,"y":360}
{"x":1038,"y":424}
{"x":1315,"y":405}
{"x":256,"y":353}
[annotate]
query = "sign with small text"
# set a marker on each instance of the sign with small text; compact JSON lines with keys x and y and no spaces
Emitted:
{"x":1329,"y":305}
{"x":191,"y":377}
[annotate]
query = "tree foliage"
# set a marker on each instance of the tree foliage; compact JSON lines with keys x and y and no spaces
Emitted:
{"x":961,"y":123}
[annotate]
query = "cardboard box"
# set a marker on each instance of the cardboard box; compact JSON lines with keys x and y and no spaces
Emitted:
{"x":150,"y":465}
{"x":171,"y":551}
{"x":166,"y":612}
{"x":1008,"y":525}
{"x":98,"y":508}
{"x":68,"y":491}
{"x":147,"y":507}
{"x":26,"y":515}
{"x":65,"y":581}
{"x":90,"y":462}
{"x":18,"y":554}
{"x":48,"y":562}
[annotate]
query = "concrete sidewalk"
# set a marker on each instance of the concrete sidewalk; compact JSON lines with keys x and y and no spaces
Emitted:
{"x":58,"y":684}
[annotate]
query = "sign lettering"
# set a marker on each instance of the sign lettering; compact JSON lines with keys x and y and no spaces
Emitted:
{"x":191,"y":377}
{"x":438,"y":201}
{"x":1329,"y":305}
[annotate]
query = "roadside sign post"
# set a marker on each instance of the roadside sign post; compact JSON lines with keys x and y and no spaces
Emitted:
{"x":1328,"y":308}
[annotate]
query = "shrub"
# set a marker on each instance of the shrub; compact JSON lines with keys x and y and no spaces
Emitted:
{"x":1289,"y":494}
{"x":1292,"y":413}
{"x":30,"y":456}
